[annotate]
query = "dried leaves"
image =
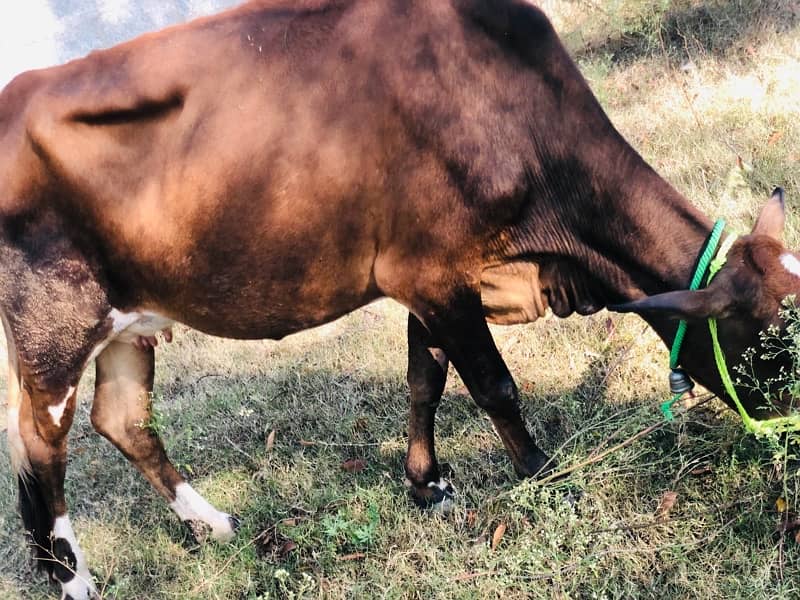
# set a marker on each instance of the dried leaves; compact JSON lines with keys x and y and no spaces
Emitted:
{"x":272,"y":545}
{"x":668,"y":500}
{"x":354,"y":465}
{"x":497,"y":537}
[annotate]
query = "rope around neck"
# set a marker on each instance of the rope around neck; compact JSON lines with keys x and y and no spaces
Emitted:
{"x":674,"y":356}
{"x":697,"y":279}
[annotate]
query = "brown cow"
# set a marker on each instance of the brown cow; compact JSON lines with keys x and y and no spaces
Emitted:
{"x":274,"y":167}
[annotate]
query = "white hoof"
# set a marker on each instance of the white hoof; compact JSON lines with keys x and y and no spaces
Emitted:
{"x":203,"y":520}
{"x":72,"y":572}
{"x":444,"y":496}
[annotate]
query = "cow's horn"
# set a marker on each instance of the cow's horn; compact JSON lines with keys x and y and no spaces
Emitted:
{"x":772,"y":217}
{"x":681,"y":304}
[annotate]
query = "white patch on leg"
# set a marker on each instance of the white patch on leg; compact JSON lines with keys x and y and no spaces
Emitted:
{"x":791,"y":264}
{"x":191,"y":506}
{"x":16,"y":446}
{"x":80,"y":587}
{"x":57,"y":411}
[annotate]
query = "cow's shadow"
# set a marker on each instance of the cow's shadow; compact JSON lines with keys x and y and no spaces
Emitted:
{"x":318,"y":429}
{"x":218,"y":431}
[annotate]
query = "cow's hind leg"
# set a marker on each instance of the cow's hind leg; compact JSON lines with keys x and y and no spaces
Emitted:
{"x":427,"y":374}
{"x":122,"y":412}
{"x":45,"y":418}
{"x":44,"y":370}
{"x":460,"y":326}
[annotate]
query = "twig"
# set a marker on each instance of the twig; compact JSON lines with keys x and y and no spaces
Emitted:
{"x":307,"y":443}
{"x":592,"y":426}
{"x":102,"y":591}
{"x":598,"y":457}
{"x":54,"y":559}
{"x":242,"y":452}
{"x":471,"y":576}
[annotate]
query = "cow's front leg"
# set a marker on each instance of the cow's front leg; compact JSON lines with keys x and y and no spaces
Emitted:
{"x":427,"y":374}
{"x":460,"y":326}
{"x":122,"y":412}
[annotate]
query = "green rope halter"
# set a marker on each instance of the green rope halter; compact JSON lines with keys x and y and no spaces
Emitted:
{"x":760,"y":428}
{"x":697,"y":279}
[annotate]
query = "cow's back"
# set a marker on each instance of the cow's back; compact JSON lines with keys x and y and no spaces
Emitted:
{"x":275,"y":155}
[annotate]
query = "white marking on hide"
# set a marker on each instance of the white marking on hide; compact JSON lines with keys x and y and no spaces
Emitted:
{"x":191,"y":506}
{"x":57,"y":411}
{"x":121,"y":321}
{"x":98,"y":349}
{"x":791,"y":264}
{"x":127,"y":327}
{"x":17,"y":451}
{"x":80,"y":587}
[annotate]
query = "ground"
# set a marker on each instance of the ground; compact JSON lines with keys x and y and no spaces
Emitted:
{"x":304,"y":438}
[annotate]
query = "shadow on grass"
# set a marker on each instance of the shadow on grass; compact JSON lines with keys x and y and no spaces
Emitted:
{"x":218,"y":430}
{"x":712,"y":27}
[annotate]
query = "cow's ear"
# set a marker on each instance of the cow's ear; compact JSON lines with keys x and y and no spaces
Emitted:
{"x":681,"y":304}
{"x":773,"y":216}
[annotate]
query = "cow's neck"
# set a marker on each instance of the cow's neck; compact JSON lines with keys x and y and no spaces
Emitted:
{"x":625,"y":235}
{"x":649,"y":242}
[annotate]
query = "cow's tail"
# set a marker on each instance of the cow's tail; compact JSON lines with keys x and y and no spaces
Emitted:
{"x":37,"y":518}
{"x":19,"y":455}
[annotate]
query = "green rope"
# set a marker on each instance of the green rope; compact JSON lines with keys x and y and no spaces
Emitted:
{"x":700,"y":271}
{"x":765,"y":428}
{"x":666,"y":407}
{"x":697,"y":279}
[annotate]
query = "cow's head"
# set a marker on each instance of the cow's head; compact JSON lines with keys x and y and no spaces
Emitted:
{"x":746,"y":298}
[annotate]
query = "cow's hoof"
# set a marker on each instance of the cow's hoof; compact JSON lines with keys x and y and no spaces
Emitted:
{"x":235,"y":522}
{"x":223,"y":530}
{"x":437,"y":496}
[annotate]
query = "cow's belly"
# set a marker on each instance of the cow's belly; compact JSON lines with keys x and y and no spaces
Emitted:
{"x":267,"y":295}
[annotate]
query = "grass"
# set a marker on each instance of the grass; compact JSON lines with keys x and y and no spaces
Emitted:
{"x":706,"y":91}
